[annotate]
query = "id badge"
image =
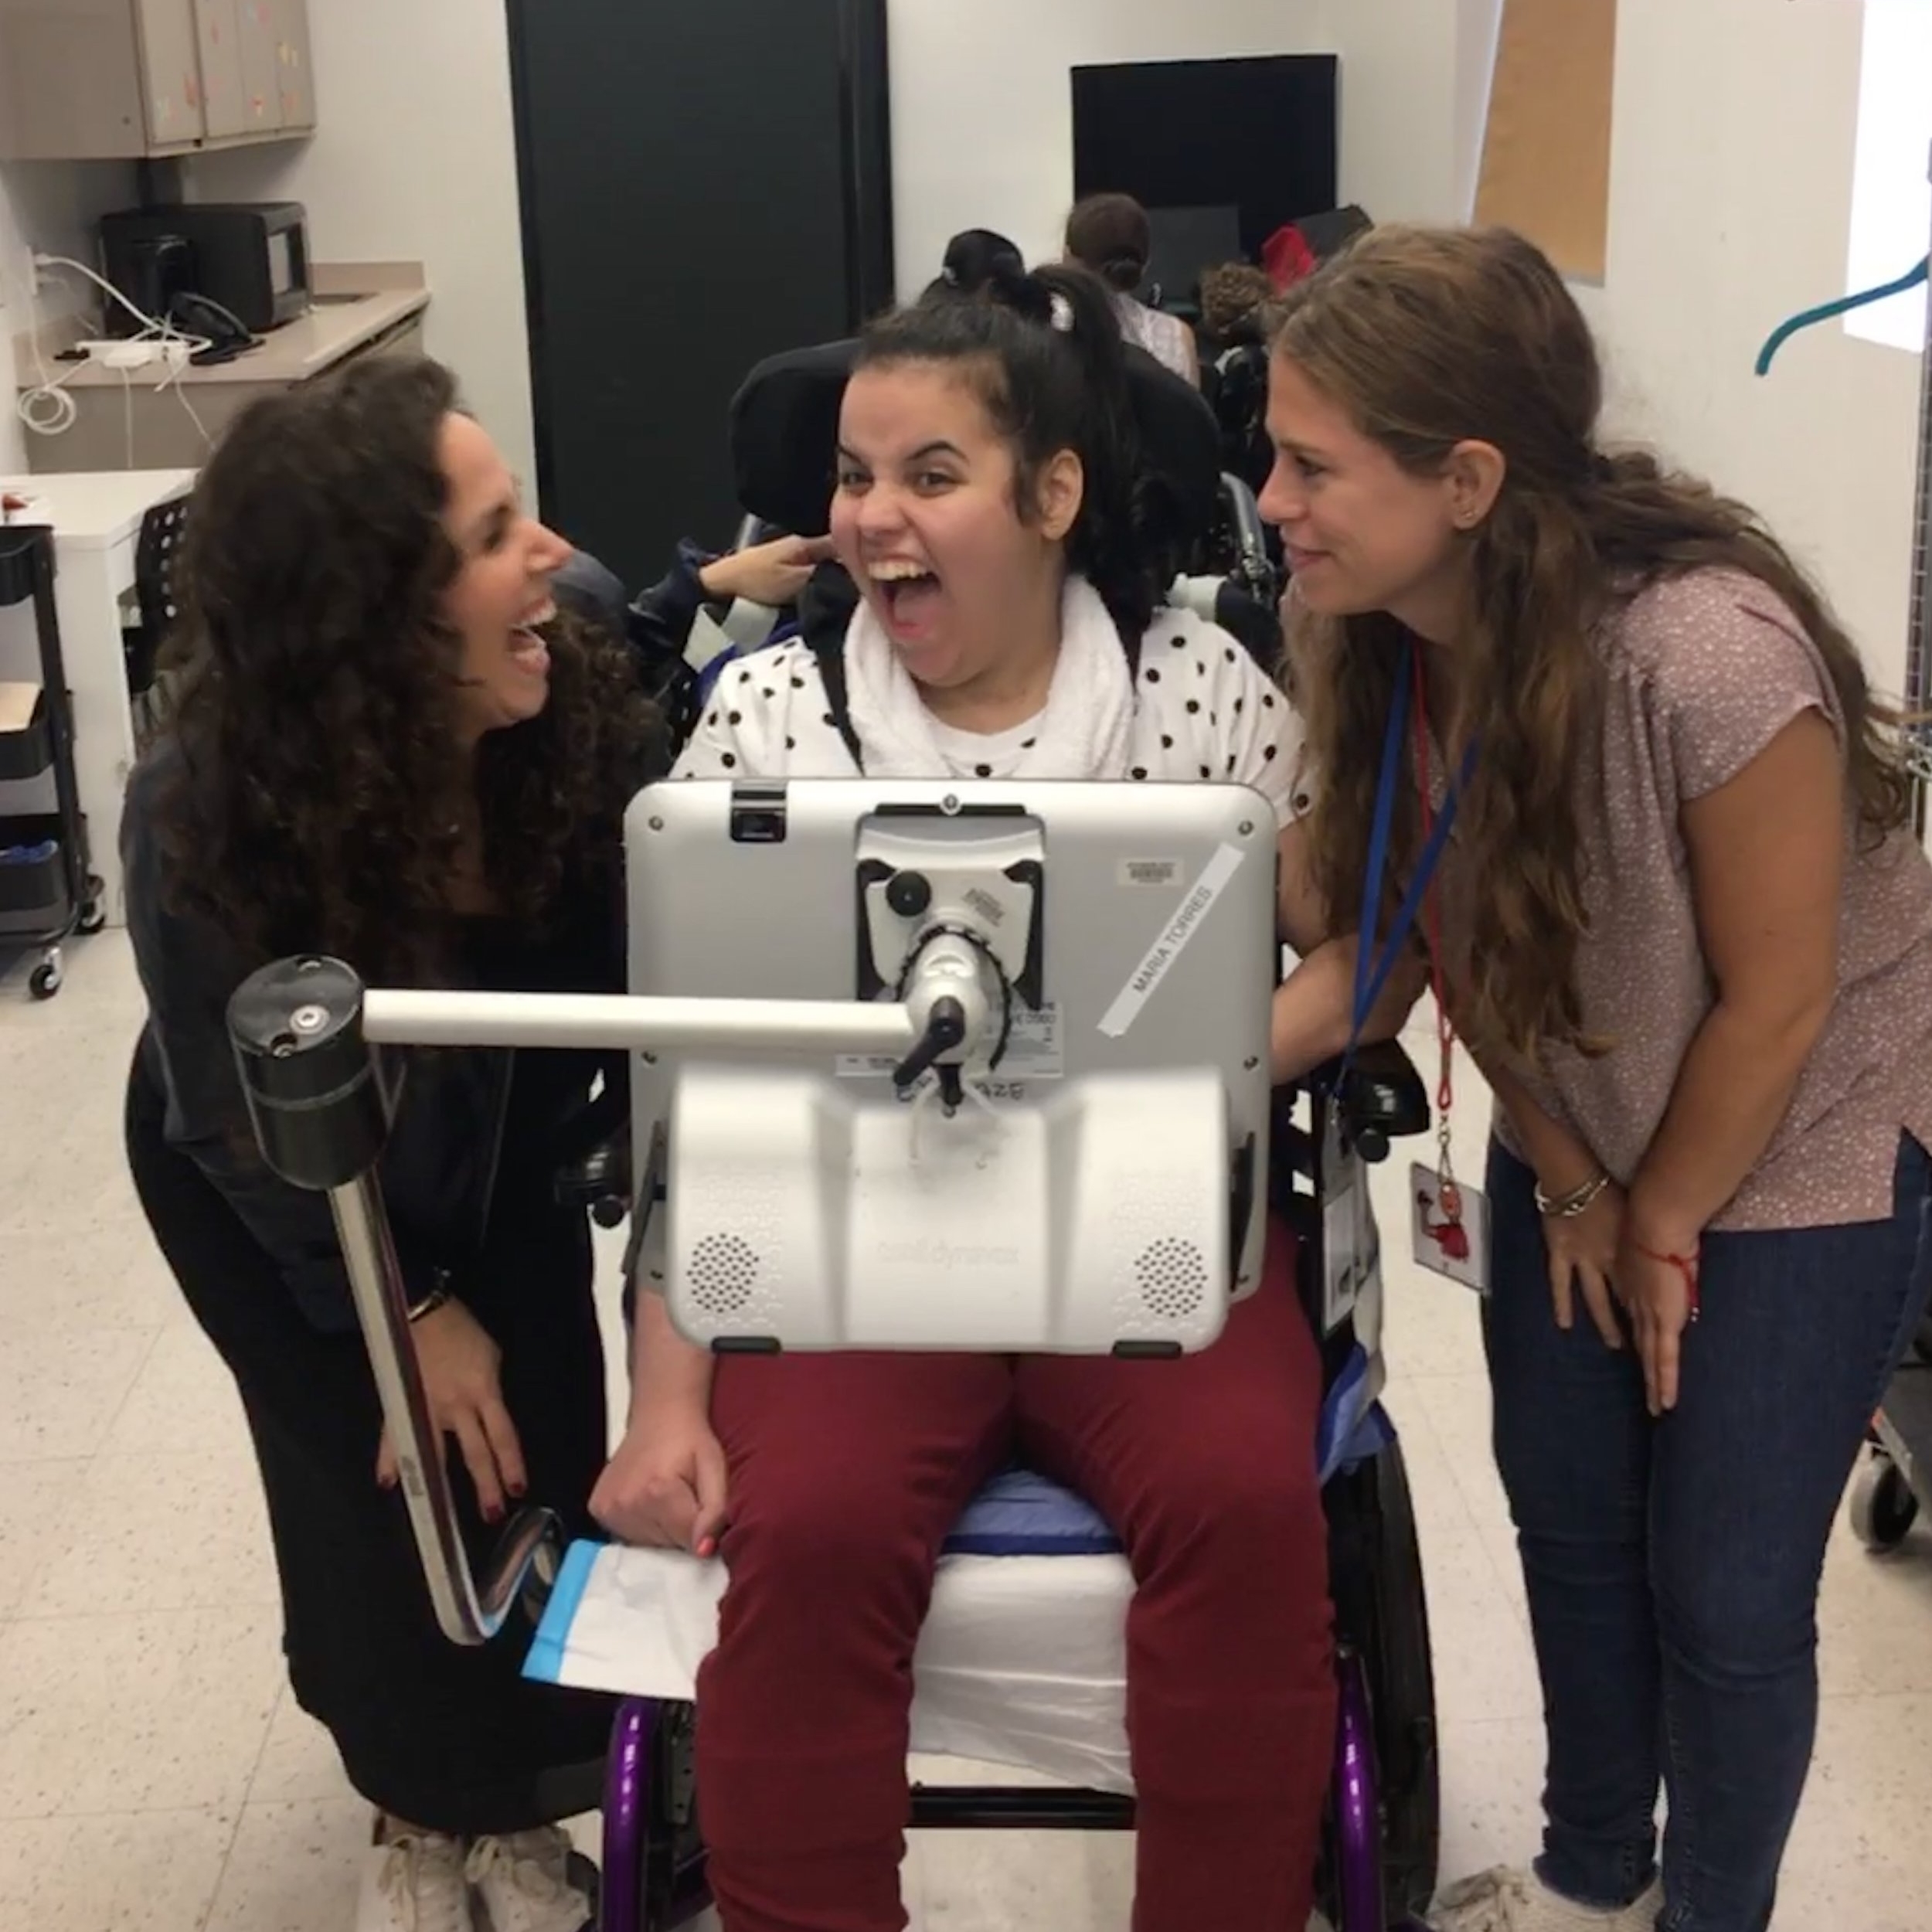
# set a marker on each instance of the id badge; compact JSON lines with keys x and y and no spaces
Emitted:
{"x":1350,"y":1247}
{"x":1458,"y":1249}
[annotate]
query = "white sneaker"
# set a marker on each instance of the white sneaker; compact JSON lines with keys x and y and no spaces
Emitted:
{"x":525,"y":1882}
{"x":414,"y":1883}
{"x":1508,"y":1901}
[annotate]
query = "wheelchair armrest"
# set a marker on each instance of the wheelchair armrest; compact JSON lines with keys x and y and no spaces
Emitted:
{"x":599,"y":1178}
{"x":1381,"y":1097}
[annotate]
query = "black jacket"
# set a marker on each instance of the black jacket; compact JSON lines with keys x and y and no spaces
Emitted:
{"x":474,"y":1129}
{"x":660,"y":619}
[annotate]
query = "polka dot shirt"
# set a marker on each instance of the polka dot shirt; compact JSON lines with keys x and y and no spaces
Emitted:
{"x":1202,"y":710}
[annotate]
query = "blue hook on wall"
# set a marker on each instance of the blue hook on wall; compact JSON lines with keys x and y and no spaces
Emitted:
{"x":1824,"y":313}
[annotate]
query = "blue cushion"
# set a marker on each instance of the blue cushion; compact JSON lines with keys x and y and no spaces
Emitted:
{"x":1019,"y":1513}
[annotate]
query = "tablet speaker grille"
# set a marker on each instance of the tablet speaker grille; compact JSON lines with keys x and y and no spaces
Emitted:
{"x":722,"y":1274}
{"x":1172,"y":1277}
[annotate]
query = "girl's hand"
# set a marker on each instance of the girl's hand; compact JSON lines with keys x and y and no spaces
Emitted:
{"x":1583,"y":1254}
{"x":666,"y":1485}
{"x":1658,"y":1293}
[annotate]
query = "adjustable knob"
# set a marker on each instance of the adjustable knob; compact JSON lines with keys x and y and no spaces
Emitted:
{"x":909,"y":894}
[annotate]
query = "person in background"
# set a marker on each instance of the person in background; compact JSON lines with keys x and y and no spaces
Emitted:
{"x":588,"y":587}
{"x":1235,"y":299}
{"x":977,"y":257}
{"x":387,"y":745}
{"x":773,"y":574}
{"x":1685,"y":929}
{"x":1110,"y":235}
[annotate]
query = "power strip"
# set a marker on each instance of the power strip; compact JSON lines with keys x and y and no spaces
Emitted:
{"x":134,"y":354}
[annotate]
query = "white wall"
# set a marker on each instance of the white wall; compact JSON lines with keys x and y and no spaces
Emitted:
{"x":1478,"y":23}
{"x":1399,"y":97}
{"x":1891,"y":196}
{"x":982,"y":114}
{"x":51,"y":208}
{"x":1730,"y":197}
{"x":415,"y":160}
{"x":982,"y":106}
{"x":1730,"y":209}
{"x":1732,"y":149}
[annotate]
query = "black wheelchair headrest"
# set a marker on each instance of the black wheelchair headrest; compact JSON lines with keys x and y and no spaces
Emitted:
{"x":784,"y":437}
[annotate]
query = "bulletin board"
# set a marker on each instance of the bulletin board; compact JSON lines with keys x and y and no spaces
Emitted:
{"x":1545,"y":151}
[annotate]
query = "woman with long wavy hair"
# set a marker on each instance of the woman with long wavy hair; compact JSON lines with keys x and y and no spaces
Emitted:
{"x":1681,"y":922}
{"x":387,"y":745}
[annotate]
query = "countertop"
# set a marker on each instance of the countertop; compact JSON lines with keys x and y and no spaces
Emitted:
{"x":95,"y":509}
{"x":355,"y":302}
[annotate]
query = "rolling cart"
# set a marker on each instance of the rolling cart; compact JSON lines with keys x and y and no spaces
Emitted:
{"x":47,"y":892}
{"x":1895,"y":1481}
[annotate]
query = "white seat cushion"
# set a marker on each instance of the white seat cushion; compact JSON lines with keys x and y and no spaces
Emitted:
{"x":1021,"y":1662}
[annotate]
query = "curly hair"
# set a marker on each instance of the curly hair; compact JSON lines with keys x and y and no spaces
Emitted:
{"x":321,"y":785}
{"x":1049,"y":388}
{"x":1429,"y":337}
{"x":1237,"y":302}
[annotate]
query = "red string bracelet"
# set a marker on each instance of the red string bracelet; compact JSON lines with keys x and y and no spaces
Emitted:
{"x":1685,"y":1264}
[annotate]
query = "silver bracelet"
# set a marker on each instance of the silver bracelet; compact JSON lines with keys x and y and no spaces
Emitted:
{"x":440,"y":1296}
{"x":1570,"y":1206}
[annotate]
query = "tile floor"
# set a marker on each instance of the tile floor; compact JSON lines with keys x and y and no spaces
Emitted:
{"x":155,"y":1777}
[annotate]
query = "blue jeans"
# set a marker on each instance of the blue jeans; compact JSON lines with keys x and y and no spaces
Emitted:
{"x":1673,"y":1566}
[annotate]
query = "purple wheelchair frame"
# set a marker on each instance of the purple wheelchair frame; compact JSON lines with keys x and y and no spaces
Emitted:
{"x":643,"y":1875}
{"x":653,"y":1874}
{"x":654,"y":1880}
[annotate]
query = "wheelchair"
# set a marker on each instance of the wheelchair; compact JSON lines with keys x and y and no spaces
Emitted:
{"x":322,"y":1117}
{"x":1379,"y":1865}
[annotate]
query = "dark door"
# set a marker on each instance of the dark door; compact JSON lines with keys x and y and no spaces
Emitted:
{"x":704,"y":182}
{"x":1256,"y":137}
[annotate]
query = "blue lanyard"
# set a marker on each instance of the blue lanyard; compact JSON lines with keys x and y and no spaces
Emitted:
{"x":1373,"y":965}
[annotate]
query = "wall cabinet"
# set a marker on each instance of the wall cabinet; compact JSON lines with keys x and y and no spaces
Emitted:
{"x":128,"y":80}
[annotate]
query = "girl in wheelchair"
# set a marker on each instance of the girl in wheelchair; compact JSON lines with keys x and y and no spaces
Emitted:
{"x":1009,"y":625}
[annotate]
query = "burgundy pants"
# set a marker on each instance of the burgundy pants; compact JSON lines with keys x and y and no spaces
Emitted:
{"x":847,"y":1472}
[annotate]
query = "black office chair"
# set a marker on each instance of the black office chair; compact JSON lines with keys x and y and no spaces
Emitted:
{"x":158,"y":556}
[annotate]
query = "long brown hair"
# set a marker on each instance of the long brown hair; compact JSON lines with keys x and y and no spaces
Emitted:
{"x":1429,"y":337}
{"x":316,"y":782}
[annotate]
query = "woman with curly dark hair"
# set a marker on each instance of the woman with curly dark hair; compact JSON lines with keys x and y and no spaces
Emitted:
{"x":386,"y":745}
{"x":1684,"y":925}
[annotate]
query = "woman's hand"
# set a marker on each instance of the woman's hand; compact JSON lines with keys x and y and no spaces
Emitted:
{"x":459,"y":1363}
{"x":1657,"y":1291}
{"x":1583,"y":1254}
{"x":773,"y":574}
{"x":666,"y":1485}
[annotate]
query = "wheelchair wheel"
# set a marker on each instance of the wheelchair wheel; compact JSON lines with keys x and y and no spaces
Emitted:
{"x":1405,"y":1699}
{"x":1382,"y":1614}
{"x":675,"y":1888}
